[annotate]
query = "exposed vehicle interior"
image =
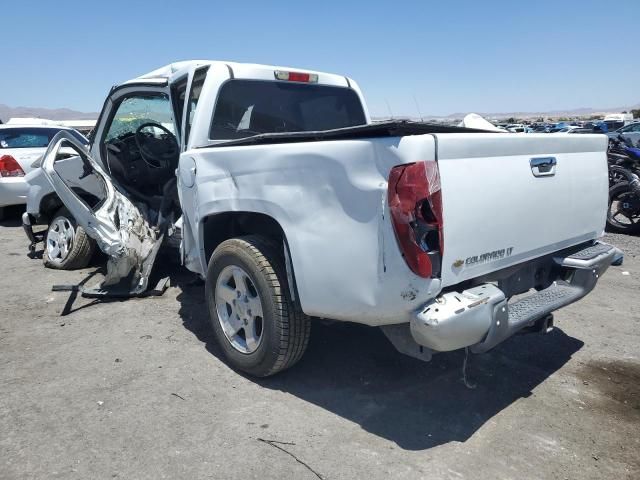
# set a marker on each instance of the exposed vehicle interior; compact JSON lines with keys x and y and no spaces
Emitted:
{"x":141,"y":151}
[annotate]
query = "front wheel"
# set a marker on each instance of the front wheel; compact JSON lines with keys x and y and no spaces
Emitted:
{"x":66,"y":245}
{"x":624,"y":209}
{"x":257,"y":325}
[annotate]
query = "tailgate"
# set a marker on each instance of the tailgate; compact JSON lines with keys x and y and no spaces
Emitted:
{"x":499,"y":210}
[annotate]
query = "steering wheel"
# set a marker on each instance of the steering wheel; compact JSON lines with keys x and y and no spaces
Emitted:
{"x":157,"y":152}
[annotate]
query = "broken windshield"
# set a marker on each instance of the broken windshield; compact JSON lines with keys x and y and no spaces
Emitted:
{"x":138,"y":110}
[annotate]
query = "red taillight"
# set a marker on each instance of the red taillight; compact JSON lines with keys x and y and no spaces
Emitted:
{"x":415,"y":202}
{"x":9,"y":167}
{"x":296,"y":76}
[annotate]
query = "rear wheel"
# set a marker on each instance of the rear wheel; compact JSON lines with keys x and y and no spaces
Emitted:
{"x":257,"y":325}
{"x":66,"y":245}
{"x":624,"y":209}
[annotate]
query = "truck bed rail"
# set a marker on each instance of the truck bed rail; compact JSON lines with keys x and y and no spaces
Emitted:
{"x":395,"y":128}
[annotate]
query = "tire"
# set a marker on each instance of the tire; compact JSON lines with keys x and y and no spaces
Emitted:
{"x":283,"y":328}
{"x":617,"y":175}
{"x":79,"y":246}
{"x":616,"y":193}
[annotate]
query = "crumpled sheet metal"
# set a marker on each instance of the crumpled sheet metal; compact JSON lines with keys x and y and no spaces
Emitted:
{"x":118,"y":226}
{"x":128,"y":255}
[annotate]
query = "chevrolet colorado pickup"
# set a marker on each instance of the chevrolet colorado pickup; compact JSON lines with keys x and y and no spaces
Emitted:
{"x":291,"y":204}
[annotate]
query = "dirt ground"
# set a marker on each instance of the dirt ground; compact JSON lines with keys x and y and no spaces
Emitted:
{"x":137,"y":389}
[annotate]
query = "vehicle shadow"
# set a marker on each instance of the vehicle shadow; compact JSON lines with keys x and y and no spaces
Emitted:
{"x":354,"y":372}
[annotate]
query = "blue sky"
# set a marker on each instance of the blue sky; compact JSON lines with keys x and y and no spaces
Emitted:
{"x":453,"y":56}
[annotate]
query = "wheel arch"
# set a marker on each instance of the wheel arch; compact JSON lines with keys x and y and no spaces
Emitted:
{"x":218,"y":227}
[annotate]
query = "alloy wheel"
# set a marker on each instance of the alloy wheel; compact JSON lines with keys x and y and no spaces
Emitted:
{"x":239,"y":309}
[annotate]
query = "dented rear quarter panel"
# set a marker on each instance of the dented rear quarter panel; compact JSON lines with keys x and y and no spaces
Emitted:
{"x":330,"y":198}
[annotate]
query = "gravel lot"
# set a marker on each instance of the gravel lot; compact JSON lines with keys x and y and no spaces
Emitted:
{"x":136,"y":389}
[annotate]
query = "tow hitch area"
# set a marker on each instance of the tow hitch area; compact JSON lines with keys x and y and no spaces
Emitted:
{"x":124,"y":231}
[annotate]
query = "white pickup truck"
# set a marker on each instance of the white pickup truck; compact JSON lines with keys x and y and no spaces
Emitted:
{"x":291,"y":204}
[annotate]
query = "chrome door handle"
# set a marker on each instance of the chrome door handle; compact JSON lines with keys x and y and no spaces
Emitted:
{"x":543,"y":166}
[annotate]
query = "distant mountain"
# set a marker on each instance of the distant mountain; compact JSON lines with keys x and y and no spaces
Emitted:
{"x":576,"y":112}
{"x":7,"y":112}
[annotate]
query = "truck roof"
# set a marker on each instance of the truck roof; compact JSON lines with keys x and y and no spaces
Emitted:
{"x":238,"y":70}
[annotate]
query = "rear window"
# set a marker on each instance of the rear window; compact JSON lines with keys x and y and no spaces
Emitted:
{"x":25,"y":137}
{"x":251,"y":107}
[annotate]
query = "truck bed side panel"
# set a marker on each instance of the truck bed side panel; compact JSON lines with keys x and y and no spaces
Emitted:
{"x":330,"y":200}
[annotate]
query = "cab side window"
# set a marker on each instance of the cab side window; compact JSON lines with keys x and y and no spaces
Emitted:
{"x":178,"y":96}
{"x":194,"y":95}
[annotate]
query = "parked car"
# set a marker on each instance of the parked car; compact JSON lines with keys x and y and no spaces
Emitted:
{"x":21,"y":148}
{"x":631,"y":131}
{"x":517,"y":128}
{"x":615,"y":121}
{"x":292,"y":205}
{"x":540,"y":128}
{"x":571,"y":129}
{"x":581,"y":130}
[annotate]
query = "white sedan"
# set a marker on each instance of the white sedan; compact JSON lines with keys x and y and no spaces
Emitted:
{"x":572,"y":129}
{"x":21,"y":149}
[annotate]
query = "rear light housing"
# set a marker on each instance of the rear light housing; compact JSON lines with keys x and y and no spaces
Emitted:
{"x":296,"y":76}
{"x":415,"y":204}
{"x":9,"y":167}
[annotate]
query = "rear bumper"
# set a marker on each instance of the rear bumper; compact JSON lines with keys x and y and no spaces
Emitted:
{"x":482,"y":317}
{"x":13,"y":191}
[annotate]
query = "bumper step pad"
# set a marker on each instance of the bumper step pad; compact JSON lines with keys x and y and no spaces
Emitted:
{"x":591,"y":252}
{"x":536,"y":306}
